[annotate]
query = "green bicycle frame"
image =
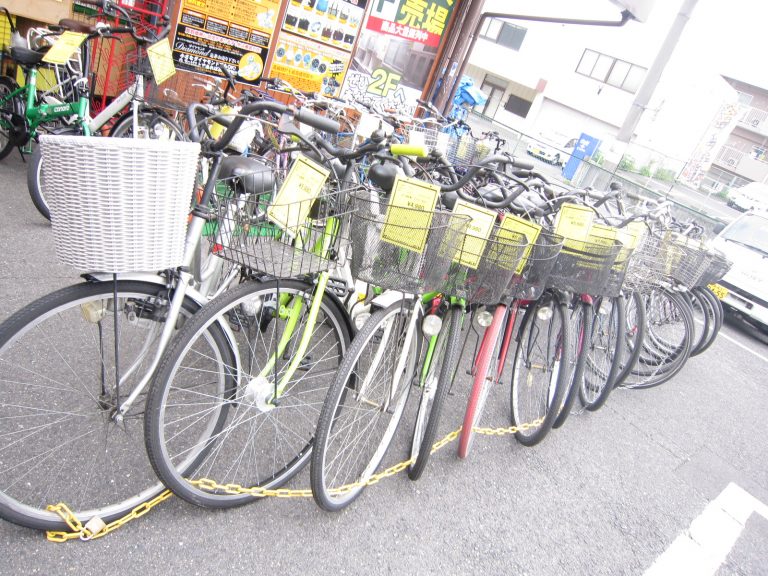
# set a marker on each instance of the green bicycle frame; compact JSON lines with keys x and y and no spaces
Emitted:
{"x":291,"y":312}
{"x":38,"y":114}
{"x":433,"y":340}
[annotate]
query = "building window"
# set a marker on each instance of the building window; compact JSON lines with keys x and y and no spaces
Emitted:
{"x":503,"y":33}
{"x":494,"y":88}
{"x":611,"y":71}
{"x":518,"y":106}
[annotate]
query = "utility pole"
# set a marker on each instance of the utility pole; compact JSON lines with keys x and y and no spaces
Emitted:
{"x":644,"y":94}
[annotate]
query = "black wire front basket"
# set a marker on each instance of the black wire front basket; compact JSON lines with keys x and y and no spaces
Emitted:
{"x":530,"y":280}
{"x":280,"y":239}
{"x":584,"y":267}
{"x":483,"y":269}
{"x":717,"y":267}
{"x":408,"y":250}
{"x":651,"y":263}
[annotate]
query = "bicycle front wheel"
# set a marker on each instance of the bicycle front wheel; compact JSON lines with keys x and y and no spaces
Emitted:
{"x":540,"y":375}
{"x":486,"y":373}
{"x":246,"y":416}
{"x":58,"y":396}
{"x":363,"y":407}
{"x":442,"y":367}
{"x":605,"y":351}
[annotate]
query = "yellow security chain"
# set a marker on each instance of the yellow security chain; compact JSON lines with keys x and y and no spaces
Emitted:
{"x":95,"y":528}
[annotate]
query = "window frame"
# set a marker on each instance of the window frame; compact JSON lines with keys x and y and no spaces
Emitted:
{"x":606,"y":65}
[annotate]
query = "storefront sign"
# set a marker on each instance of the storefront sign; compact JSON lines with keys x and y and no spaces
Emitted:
{"x":235,"y":33}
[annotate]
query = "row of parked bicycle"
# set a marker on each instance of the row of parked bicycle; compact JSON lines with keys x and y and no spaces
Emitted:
{"x":284,"y":320}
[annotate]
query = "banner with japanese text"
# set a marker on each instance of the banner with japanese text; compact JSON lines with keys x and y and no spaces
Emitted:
{"x":235,"y":33}
{"x":395,"y":52}
{"x":313,"y":49}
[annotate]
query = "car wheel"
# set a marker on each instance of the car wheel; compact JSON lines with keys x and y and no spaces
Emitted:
{"x":556,"y":159}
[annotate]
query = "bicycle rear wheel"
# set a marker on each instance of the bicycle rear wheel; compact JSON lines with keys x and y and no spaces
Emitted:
{"x":213,"y":414}
{"x":539,"y":375}
{"x":442,"y":368}
{"x":363,"y":407}
{"x":57,"y":396}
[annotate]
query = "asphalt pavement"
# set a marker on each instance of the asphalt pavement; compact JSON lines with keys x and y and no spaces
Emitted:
{"x":609,"y":493}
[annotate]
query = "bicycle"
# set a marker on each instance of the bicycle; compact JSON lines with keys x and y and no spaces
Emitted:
{"x":86,"y":445}
{"x":142,"y":120}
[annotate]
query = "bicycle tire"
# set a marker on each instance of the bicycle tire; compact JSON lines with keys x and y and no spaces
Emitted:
{"x":581,"y":318}
{"x":668,"y":340}
{"x":61,"y":344}
{"x":703,"y":322}
{"x":212,"y":416}
{"x":604,"y":351}
{"x":717,"y":309}
{"x":153,"y":122}
{"x":345,"y":412}
{"x":543,"y":344}
{"x":702,"y":305}
{"x":442,"y":369}
{"x":486,"y":372}
{"x":634,"y":335}
{"x":8,"y":132}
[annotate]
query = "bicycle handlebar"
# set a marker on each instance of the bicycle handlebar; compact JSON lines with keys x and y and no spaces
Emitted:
{"x":110,"y":7}
{"x":303,"y":116}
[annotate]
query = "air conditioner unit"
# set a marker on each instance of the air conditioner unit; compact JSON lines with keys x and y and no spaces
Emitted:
{"x":731,"y":162}
{"x":755,"y":122}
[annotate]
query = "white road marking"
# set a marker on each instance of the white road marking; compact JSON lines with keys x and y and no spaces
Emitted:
{"x":702,"y":549}
{"x":742,"y":346}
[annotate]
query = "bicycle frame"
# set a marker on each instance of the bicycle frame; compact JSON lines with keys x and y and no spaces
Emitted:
{"x":38,"y":114}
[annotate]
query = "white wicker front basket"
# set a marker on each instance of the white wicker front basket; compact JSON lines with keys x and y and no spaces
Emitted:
{"x":118,"y":204}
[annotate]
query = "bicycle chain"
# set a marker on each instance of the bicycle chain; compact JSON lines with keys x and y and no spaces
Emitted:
{"x":96,"y":528}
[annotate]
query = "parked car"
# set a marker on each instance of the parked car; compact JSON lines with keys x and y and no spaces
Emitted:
{"x":753,"y":196}
{"x":744,"y":290}
{"x":551,"y":153}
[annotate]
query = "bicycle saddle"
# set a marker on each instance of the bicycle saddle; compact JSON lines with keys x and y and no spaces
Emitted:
{"x":253,"y":175}
{"x":27,"y":57}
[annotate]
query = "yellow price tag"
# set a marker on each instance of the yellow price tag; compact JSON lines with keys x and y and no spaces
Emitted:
{"x":602,"y":235}
{"x":409,"y":215}
{"x":64,"y":47}
{"x":476,"y":237}
{"x":573,"y":223}
{"x":293,"y":201}
{"x":161,"y":61}
{"x":516,"y":225}
{"x":217,"y":129}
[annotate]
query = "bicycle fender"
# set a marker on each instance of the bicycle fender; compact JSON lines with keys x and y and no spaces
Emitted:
{"x":390,"y":297}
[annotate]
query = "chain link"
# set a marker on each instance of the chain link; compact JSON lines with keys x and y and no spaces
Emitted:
{"x":80,"y":532}
{"x":84,"y":532}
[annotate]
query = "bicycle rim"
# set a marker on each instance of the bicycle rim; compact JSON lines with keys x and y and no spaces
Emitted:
{"x":362,"y":411}
{"x":224,"y":417}
{"x":57,"y":395}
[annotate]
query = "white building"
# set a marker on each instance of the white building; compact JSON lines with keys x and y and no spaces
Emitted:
{"x":562,"y":80}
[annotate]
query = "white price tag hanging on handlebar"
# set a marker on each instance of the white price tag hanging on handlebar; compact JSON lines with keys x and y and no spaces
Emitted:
{"x":161,"y":61}
{"x":294,"y":200}
{"x":65,"y":45}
